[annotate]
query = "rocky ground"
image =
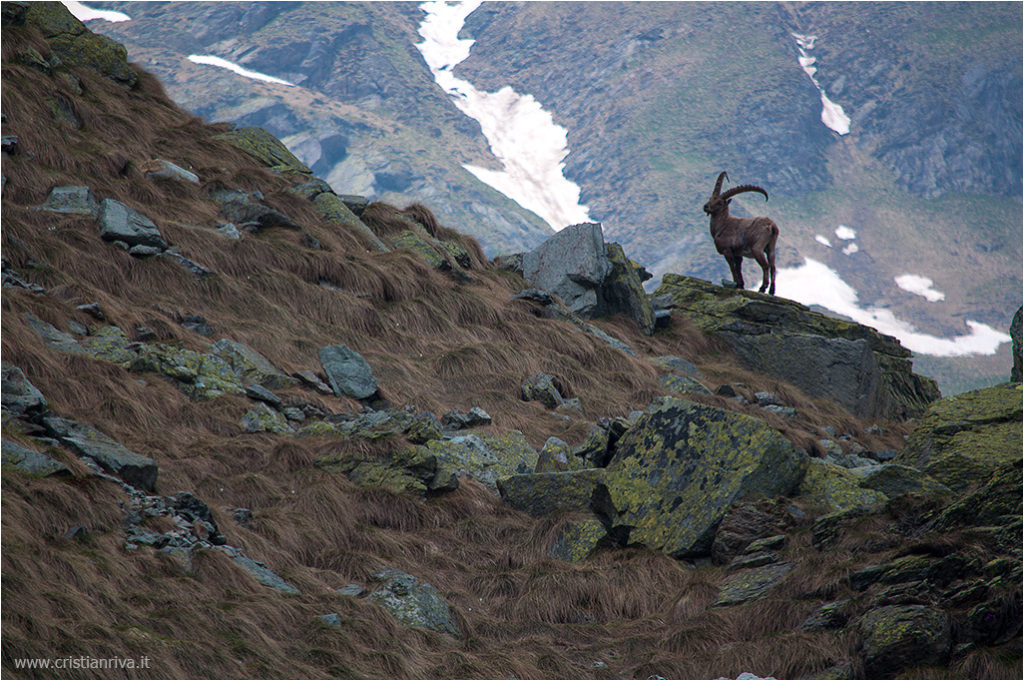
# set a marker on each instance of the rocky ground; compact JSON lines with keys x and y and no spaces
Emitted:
{"x":254,"y":428}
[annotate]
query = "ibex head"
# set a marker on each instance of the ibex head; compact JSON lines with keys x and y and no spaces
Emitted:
{"x":720,"y":202}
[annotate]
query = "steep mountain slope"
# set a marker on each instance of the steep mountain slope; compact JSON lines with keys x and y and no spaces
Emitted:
{"x":182,"y":491}
{"x":658,"y":98}
{"x":365,"y":113}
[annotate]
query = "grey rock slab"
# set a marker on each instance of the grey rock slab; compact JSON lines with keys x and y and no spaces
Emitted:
{"x":119,"y":222}
{"x":159,"y":169}
{"x":260,"y":572}
{"x":348,"y":373}
{"x":30,"y":461}
{"x":72,"y":200}
{"x":19,"y":395}
{"x":135,"y":469}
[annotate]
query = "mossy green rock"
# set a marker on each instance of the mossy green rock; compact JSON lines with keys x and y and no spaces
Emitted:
{"x":962,"y":440}
{"x":111,"y":344}
{"x":250,"y":366}
{"x":76,"y":46}
{"x":577,"y":540}
{"x":895,"y":480}
{"x":264,"y":419}
{"x":422,"y":247}
{"x":898,"y":637}
{"x":413,"y":602}
{"x":682,"y":465}
{"x":540,"y":494}
{"x":486,"y":457}
{"x":997,"y":505}
{"x":198,"y":375}
{"x":413,"y":470}
{"x":834,"y":488}
{"x":333,"y":208}
{"x":266,"y":149}
{"x":867,"y":372}
{"x":751,"y":584}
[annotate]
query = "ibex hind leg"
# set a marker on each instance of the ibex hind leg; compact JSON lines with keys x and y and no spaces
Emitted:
{"x":770,"y":253}
{"x":765,"y":269}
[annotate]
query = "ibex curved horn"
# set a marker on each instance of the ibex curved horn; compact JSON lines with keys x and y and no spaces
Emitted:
{"x":718,"y":185}
{"x":743,"y":188}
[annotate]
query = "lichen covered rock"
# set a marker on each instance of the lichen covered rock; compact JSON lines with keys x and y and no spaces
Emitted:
{"x":266,"y":149}
{"x":963,"y":439}
{"x":577,"y":540}
{"x":540,"y":494}
{"x":898,"y":637}
{"x":486,"y":457}
{"x":413,"y":602}
{"x":834,"y":488}
{"x":677,"y":471}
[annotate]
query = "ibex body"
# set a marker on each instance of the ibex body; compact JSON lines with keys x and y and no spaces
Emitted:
{"x":737,"y":238}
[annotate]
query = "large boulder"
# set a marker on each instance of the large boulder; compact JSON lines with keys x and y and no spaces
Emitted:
{"x":592,"y":278}
{"x":266,"y":149}
{"x":571,"y":264}
{"x":677,"y":471}
{"x":348,"y":373}
{"x":899,"y":637}
{"x":30,"y":461}
{"x":962,"y":440}
{"x":540,"y":494}
{"x":867,"y":372}
{"x":73,"y":200}
{"x":76,"y":46}
{"x":250,"y":365}
{"x":486,"y":457}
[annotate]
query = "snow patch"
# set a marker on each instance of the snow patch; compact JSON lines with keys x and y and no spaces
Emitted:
{"x":832,"y":115}
{"x":210,"y":60}
{"x":522,"y":135}
{"x":845,"y":233}
{"x":850,"y":249}
{"x":813,"y":283}
{"x":918,"y":285}
{"x":83,"y":13}
{"x":823,"y":240}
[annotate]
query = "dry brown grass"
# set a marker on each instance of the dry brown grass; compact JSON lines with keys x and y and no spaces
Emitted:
{"x":432,"y":342}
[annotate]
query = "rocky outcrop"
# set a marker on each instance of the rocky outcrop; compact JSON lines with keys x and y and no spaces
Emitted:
{"x":962,"y":440}
{"x":865,"y":371}
{"x":76,"y":46}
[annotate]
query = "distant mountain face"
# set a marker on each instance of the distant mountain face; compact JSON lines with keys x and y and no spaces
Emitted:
{"x":658,"y":98}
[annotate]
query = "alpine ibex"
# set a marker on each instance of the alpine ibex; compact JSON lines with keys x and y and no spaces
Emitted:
{"x":736,"y":238}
